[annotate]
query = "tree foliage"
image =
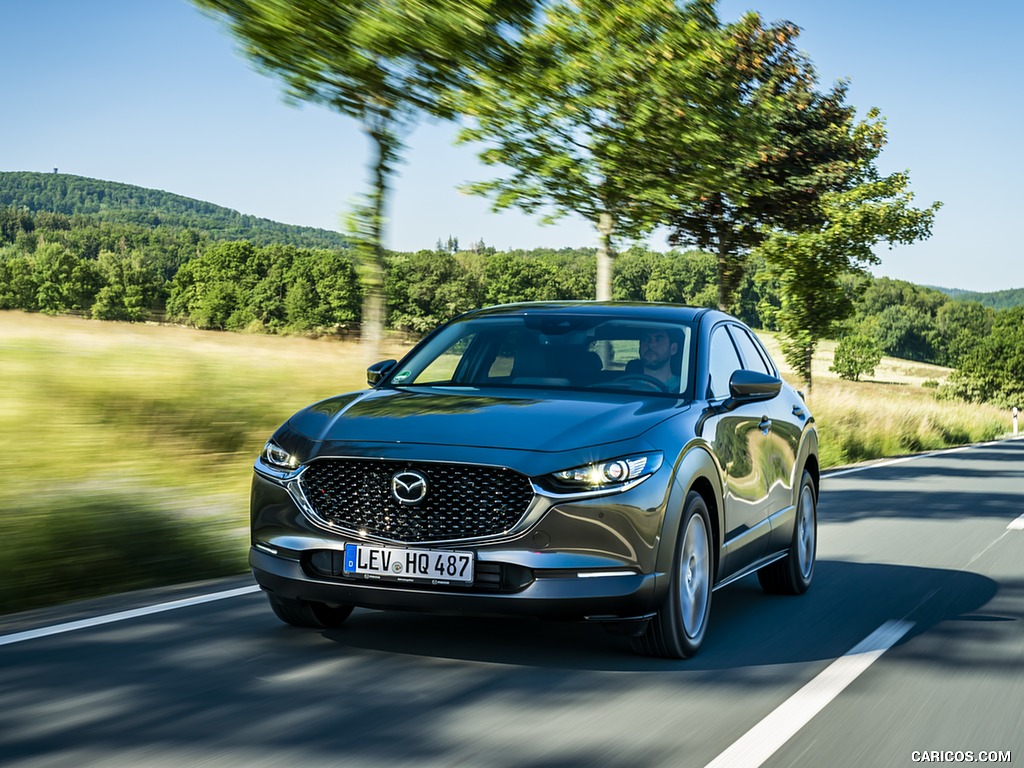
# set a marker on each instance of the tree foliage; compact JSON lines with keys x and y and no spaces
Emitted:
{"x":616,"y":110}
{"x":993,"y":370}
{"x":796,"y":139}
{"x":811,"y":262}
{"x":237,"y":286}
{"x":856,"y":355}
{"x":381,"y":63}
{"x":427,"y":288}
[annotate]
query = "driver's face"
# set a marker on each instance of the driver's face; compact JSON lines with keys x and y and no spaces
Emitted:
{"x":656,"y":349}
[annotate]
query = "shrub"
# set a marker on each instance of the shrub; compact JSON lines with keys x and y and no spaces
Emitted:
{"x":86,"y":544}
{"x":856,"y":354}
{"x":993,"y":371}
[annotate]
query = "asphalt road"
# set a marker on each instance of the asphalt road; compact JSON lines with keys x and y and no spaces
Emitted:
{"x":930,"y":550}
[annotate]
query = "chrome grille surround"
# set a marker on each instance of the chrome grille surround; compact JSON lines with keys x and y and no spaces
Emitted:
{"x":465,"y":502}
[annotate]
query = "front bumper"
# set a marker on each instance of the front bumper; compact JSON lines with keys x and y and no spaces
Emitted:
{"x":554,"y":594}
{"x":593,"y":558}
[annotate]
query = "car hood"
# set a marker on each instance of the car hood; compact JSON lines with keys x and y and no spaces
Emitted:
{"x":509,"y":420}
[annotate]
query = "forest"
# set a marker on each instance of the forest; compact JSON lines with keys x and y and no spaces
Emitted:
{"x":59,"y":256}
{"x":116,"y":203}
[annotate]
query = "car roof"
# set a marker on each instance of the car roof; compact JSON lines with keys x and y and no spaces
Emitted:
{"x":625,"y":309}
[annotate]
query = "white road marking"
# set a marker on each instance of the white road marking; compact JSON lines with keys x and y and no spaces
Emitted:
{"x":892,"y":462}
{"x":1016,"y":525}
{"x":110,"y":618}
{"x":765,"y":738}
{"x":902,"y":459}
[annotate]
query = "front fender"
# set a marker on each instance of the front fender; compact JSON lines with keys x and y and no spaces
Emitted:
{"x":806,"y":458}
{"x":696,"y":470}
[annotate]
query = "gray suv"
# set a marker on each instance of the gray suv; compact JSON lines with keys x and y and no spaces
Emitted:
{"x":606,"y":462}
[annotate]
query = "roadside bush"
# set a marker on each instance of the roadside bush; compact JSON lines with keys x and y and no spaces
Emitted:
{"x":88,"y":544}
{"x":856,"y":355}
{"x":993,"y":371}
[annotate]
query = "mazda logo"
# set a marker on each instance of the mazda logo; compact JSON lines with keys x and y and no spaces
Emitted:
{"x":408,"y":487}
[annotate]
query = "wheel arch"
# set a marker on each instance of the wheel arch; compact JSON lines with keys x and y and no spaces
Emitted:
{"x":696,"y":471}
{"x":704,"y":487}
{"x":807,"y":459}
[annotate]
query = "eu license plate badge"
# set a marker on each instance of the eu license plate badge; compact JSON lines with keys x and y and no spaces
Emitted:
{"x":421,"y":565}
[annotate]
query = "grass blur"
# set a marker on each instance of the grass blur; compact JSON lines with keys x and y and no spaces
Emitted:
{"x":890,"y":413}
{"x":128,"y":448}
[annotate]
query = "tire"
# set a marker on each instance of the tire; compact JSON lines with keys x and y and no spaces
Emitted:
{"x":792,"y":574}
{"x":677,"y":630}
{"x":300,"y":613}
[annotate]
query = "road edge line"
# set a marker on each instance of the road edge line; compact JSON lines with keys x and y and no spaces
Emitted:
{"x":111,"y":618}
{"x":826,"y":475}
{"x":764,"y":739}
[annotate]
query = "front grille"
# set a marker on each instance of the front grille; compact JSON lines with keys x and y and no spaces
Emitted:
{"x":462,"y":501}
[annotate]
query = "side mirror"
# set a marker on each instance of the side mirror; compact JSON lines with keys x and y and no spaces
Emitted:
{"x":375,"y":373}
{"x":751,"y":387}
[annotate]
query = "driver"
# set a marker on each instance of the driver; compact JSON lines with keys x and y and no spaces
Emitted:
{"x":656,"y":353}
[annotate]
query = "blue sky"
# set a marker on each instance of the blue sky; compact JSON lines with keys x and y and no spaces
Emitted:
{"x":153,"y":93}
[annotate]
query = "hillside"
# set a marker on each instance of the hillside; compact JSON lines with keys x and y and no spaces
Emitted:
{"x":127,"y":204}
{"x":1012,"y":297}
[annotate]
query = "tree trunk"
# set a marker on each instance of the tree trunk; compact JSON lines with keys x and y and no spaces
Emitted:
{"x":371,"y":250}
{"x":605,"y":226}
{"x":722,"y":271}
{"x":729,"y":265}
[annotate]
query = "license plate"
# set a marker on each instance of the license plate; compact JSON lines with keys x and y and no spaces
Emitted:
{"x":432,"y":565}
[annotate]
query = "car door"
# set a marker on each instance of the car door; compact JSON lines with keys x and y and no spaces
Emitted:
{"x":738,"y":439}
{"x":783,"y":438}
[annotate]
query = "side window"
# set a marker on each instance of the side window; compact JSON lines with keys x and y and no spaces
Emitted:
{"x":722,"y":363}
{"x":753,"y":359}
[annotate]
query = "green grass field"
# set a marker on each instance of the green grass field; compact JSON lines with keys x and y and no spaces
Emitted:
{"x":127,"y":449}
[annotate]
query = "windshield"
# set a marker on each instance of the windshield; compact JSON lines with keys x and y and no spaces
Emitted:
{"x":553,"y":352}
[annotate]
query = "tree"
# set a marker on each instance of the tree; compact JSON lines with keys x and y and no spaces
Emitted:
{"x":724,"y":217}
{"x":683,"y":278}
{"x":510,"y":278}
{"x":811,"y":263}
{"x":19,"y":284}
{"x":382,"y":64}
{"x":13,"y":222}
{"x":322,"y":290}
{"x":857,"y":353}
{"x":960,"y":325}
{"x":426,"y":288}
{"x":616,"y":110}
{"x":212,"y":290}
{"x":64,"y":281}
{"x":993,"y":370}
{"x":907,"y":332}
{"x":812,"y":146}
{"x":130,"y":287}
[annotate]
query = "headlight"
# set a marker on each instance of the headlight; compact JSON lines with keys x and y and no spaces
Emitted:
{"x":609,"y":474}
{"x":275,"y":456}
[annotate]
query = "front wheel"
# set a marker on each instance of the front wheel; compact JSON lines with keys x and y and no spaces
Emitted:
{"x":677,"y":630}
{"x":300,"y":613}
{"x":792,"y":574}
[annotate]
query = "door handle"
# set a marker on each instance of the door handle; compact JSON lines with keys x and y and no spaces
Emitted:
{"x":798,"y":411}
{"x":765,"y":425}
